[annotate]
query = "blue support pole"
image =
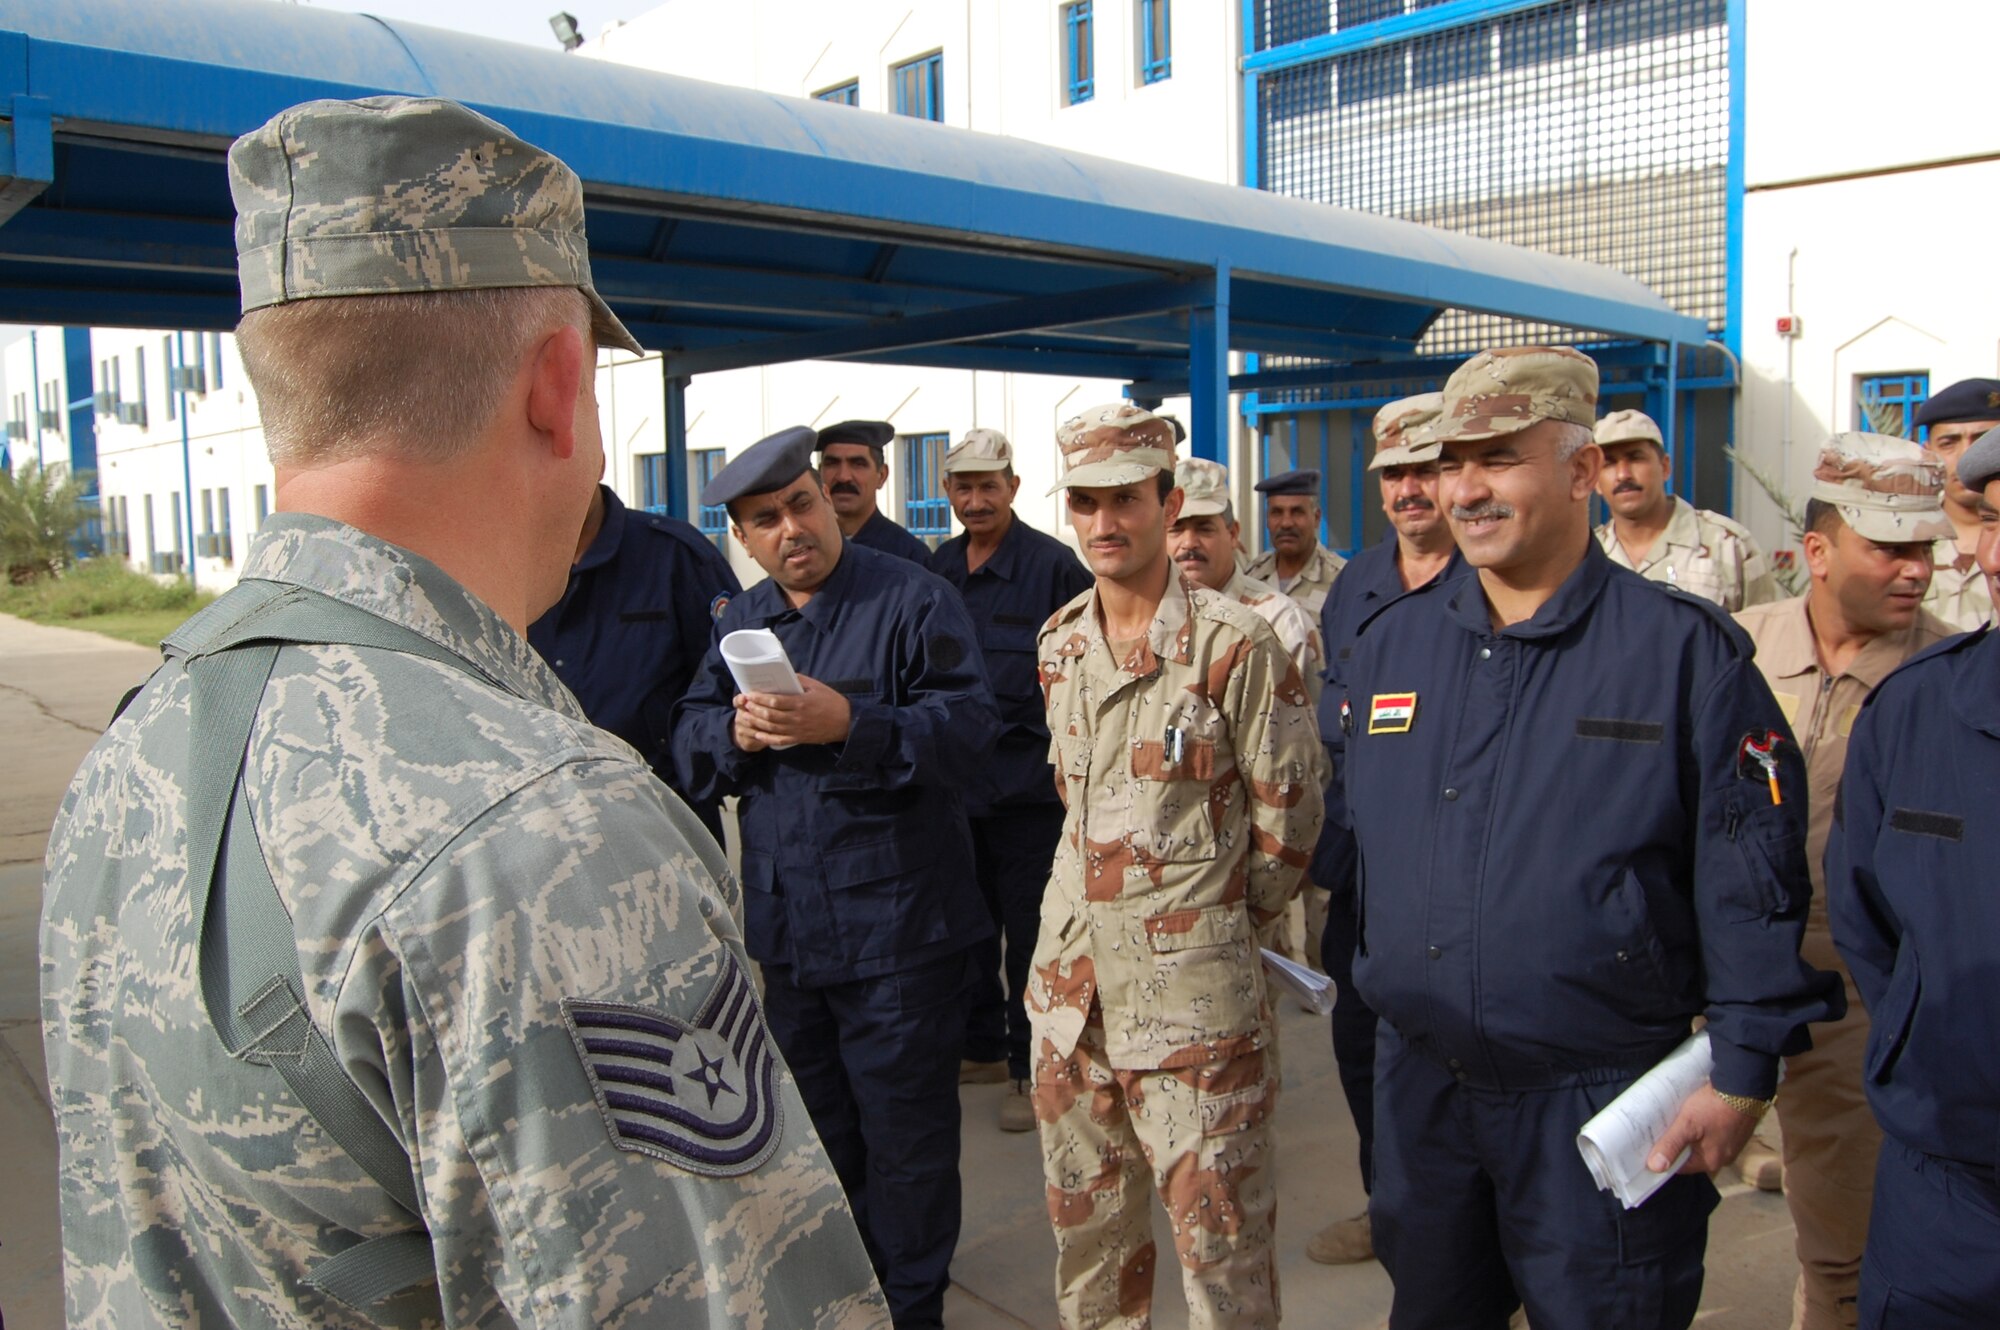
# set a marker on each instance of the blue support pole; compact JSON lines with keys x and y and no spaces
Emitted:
{"x":187,"y":466}
{"x":1208,"y":372}
{"x":82,"y":405}
{"x":35,"y":370}
{"x":1732,"y":329}
{"x":677,"y":444}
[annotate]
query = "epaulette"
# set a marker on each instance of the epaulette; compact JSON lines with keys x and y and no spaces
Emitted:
{"x":685,"y":532}
{"x":1740,"y":640}
{"x":1435,"y":584}
{"x":1066,"y":613}
{"x":1950,"y":646}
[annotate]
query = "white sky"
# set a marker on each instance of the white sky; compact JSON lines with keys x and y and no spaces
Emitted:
{"x":525,"y":21}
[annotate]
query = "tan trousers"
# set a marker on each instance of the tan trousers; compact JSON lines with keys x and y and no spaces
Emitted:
{"x":1830,"y":1143}
{"x":1303,"y":926}
{"x":1199,"y":1135}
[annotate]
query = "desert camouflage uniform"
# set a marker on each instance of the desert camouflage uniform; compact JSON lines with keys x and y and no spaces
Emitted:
{"x":464,"y":861}
{"x":1298,"y":632}
{"x":1315,"y":578}
{"x":1155,"y":1035}
{"x":1704,"y":554}
{"x":1958,"y":593}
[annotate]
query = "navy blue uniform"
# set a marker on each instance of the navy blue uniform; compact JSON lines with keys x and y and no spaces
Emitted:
{"x":856,"y":899}
{"x":1370,"y":580}
{"x":1561,"y":864}
{"x":879,"y":533}
{"x":1029,"y":576}
{"x":1910,"y":872}
{"x":633,"y":625}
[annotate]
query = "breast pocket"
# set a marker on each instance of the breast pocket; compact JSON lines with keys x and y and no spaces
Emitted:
{"x":1011,"y":666}
{"x":1174,"y":796}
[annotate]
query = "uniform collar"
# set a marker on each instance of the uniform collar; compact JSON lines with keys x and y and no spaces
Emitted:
{"x":1788,"y":650}
{"x":1683,"y":528}
{"x":1975,"y":691}
{"x":389,"y":582}
{"x":605,"y":544}
{"x":1001,"y":562}
{"x":1568,"y":606}
{"x":823,"y":610}
{"x":1171,"y":636}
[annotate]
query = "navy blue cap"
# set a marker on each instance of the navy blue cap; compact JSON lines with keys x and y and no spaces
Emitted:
{"x":874,"y":433}
{"x":1291,"y":482}
{"x":1968,"y":399}
{"x":766,"y":465}
{"x":1979,"y":465}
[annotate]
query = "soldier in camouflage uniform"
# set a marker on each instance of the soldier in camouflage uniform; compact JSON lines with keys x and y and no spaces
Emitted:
{"x":1956,"y":417}
{"x":1186,"y":753}
{"x":518,"y":944}
{"x":1296,"y":563}
{"x":1664,"y":538}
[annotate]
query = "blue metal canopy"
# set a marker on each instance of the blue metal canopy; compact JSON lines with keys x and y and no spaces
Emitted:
{"x":731,"y":227}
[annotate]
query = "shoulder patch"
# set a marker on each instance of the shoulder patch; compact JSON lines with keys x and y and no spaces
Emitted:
{"x":701,"y":1096}
{"x":718,"y":605}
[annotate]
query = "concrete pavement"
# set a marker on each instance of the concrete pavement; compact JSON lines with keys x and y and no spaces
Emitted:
{"x":57,"y":689}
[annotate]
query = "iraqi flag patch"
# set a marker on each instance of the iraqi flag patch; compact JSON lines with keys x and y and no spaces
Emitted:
{"x":1391,"y":713}
{"x":701,"y":1095}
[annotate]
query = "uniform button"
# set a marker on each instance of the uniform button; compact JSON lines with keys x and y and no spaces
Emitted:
{"x":1624,"y":955}
{"x":1451,"y":791}
{"x":560,"y":664}
{"x":1433,"y":953}
{"x":1460,"y":1075}
{"x":1454,"y":1064}
{"x":1486,"y":653}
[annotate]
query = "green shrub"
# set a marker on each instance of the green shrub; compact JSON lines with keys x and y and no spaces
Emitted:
{"x":41,"y":510}
{"x":98,"y":587}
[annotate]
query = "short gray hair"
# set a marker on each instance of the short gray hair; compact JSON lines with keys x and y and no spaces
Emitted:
{"x":1571,"y":438}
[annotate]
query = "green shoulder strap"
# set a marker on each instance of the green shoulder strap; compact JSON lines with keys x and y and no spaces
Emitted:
{"x":249,"y":962}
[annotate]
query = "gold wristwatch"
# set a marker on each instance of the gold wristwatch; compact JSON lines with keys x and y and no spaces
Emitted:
{"x":1754,"y":1109}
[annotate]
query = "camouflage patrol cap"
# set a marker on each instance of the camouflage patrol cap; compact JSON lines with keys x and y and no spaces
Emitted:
{"x":980,"y":450}
{"x":1629,"y":427}
{"x":1888,"y":490}
{"x":1206,"y":485}
{"x":1504,"y":391}
{"x":1402,"y":434}
{"x":1114,"y":444}
{"x":392,"y":195}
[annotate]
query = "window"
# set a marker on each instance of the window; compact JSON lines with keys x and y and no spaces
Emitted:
{"x":1079,"y":83}
{"x":1156,"y":41}
{"x":222,"y":511}
{"x":926,"y":512}
{"x":845,"y":94}
{"x":174,"y":507}
{"x":152,"y":546}
{"x":215,"y":357}
{"x":652,"y":481}
{"x":167,"y":359}
{"x":920,"y":87}
{"x":260,"y":498}
{"x":139,"y":373}
{"x":1887,"y":404}
{"x":713,"y":519}
{"x":208,"y":512}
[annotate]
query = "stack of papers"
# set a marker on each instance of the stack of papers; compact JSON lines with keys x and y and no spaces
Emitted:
{"x":758,"y":663}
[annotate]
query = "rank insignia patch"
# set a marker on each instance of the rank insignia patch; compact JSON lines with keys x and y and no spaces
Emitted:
{"x":702,"y":1095}
{"x":1391,"y":713}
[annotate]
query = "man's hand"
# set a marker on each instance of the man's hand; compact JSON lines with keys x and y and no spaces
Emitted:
{"x":820,"y":715}
{"x":745,"y":730}
{"x":1716,"y":1132}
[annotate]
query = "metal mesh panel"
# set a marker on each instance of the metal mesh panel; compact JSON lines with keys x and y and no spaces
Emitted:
{"x":1595,"y":129}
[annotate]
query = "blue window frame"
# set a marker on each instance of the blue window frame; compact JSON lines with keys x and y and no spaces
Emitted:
{"x":920,"y":87}
{"x":846,"y":94}
{"x":712,"y":518}
{"x":926,"y":512}
{"x":1079,"y":62}
{"x":1896,"y":397}
{"x":1156,"y":41}
{"x":652,"y":481}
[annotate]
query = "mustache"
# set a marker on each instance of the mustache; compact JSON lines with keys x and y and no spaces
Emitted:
{"x":791,"y":547}
{"x":1490,"y":508}
{"x":1628,"y":487}
{"x":1415,"y":503}
{"x":843,"y":487}
{"x":1191,"y":556}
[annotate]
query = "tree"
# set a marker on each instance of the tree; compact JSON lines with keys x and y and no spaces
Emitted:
{"x":41,"y":510}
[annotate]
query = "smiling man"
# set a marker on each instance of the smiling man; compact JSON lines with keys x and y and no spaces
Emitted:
{"x":1665,"y":538}
{"x":1563,"y":860}
{"x":856,"y":903}
{"x":1872,"y":516}
{"x":854,"y":470}
{"x":1187,"y":757}
{"x":1012,"y":578}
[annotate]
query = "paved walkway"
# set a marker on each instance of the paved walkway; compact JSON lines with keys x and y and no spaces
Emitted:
{"x":57,"y":689}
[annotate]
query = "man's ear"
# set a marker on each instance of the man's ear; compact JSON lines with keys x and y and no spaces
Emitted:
{"x":1585,"y":467}
{"x":556,"y":371}
{"x":1817,"y":546}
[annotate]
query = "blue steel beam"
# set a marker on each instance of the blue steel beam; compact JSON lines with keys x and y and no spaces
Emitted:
{"x":1208,"y":373}
{"x":27,"y":154}
{"x":111,"y":65}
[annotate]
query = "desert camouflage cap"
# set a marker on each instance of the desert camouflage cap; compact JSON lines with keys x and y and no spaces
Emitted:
{"x":1979,"y":465}
{"x":391,"y":195}
{"x":1402,"y":431}
{"x":980,"y":450}
{"x":1206,"y":485}
{"x":1114,"y":444}
{"x":1629,"y":427}
{"x":1505,"y":390}
{"x":1889,"y":490}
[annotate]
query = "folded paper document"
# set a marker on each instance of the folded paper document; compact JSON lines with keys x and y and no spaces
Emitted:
{"x":1308,"y":986}
{"x":1616,"y":1142}
{"x":757,"y":661}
